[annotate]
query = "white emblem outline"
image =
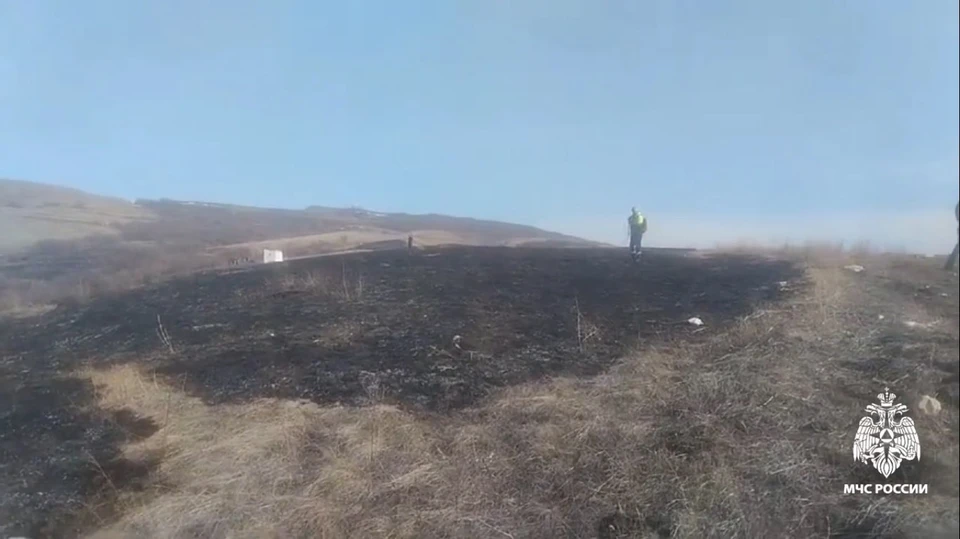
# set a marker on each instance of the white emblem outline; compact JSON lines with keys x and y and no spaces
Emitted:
{"x":887,"y":441}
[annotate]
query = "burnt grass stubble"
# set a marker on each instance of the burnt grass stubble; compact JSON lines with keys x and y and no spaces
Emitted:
{"x":337,"y":330}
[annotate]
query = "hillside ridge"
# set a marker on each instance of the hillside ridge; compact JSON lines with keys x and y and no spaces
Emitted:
{"x":36,"y":212}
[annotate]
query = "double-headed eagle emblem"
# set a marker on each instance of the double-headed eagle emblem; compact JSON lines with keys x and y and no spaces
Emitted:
{"x":888,"y":440}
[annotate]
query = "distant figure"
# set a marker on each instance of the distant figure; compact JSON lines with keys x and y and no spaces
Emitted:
{"x":410,"y":242}
{"x":952,"y":259}
{"x":638,"y":226}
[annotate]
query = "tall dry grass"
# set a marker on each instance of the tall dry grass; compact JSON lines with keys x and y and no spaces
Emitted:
{"x":345,"y":284}
{"x":745,"y":435}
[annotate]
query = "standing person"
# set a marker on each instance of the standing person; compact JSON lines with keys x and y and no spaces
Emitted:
{"x":953,"y":254}
{"x":410,"y":243}
{"x":638,"y":226}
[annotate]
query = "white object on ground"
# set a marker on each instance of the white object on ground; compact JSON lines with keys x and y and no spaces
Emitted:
{"x":695,"y":321}
{"x":270,"y":255}
{"x":880,"y":317}
{"x":856,"y":268}
{"x":921,"y":325}
{"x":929,"y":405}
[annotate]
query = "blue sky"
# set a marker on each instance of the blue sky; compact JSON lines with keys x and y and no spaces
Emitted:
{"x":723,"y":121}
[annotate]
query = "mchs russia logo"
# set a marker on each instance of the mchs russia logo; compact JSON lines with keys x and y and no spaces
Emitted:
{"x":885,"y":438}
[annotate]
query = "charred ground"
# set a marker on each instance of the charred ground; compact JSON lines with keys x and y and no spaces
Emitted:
{"x":434,"y":329}
{"x":438,"y":330}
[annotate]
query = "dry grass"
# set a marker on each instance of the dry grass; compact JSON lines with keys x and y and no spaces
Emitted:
{"x":820,"y":254}
{"x":349,"y":240}
{"x":745,"y":435}
{"x":345,"y":284}
{"x":31,"y":212}
{"x":119,"y":267}
{"x":343,"y":240}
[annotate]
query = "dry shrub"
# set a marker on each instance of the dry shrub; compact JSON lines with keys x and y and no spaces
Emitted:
{"x":744,"y":435}
{"x":312,"y":281}
{"x":344,"y":284}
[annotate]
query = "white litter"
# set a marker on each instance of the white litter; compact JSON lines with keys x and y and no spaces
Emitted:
{"x":856,"y":268}
{"x":929,"y":405}
{"x":921,"y":325}
{"x":271,"y":256}
{"x":880,"y":317}
{"x":695,"y":321}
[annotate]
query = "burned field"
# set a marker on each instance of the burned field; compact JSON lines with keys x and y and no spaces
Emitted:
{"x":431,"y":331}
{"x":435,"y":330}
{"x":369,"y":387}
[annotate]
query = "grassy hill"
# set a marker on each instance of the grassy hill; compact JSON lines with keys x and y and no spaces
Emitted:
{"x":60,"y":242}
{"x":31,"y":212}
{"x":318,"y":229}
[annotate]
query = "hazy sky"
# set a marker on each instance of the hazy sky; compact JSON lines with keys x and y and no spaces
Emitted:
{"x":721,"y":120}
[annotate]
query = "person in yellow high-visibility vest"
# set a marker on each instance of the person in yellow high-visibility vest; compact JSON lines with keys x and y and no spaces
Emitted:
{"x":638,"y":226}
